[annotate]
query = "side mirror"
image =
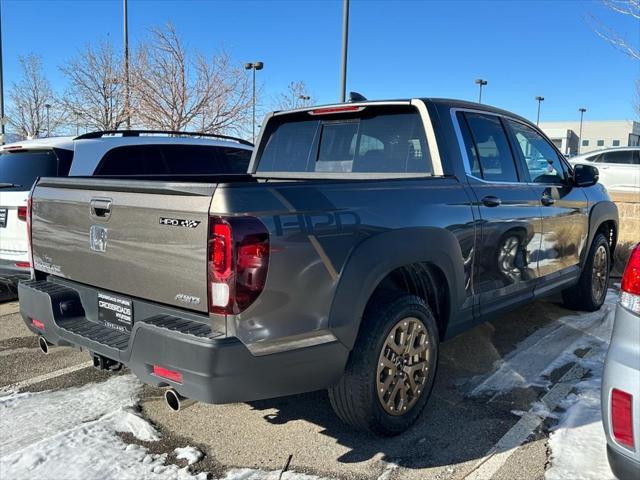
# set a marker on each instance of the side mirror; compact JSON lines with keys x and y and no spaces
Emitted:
{"x":585,"y":175}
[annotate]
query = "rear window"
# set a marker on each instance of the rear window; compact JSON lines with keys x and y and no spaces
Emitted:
{"x":376,"y":140}
{"x":21,"y":168}
{"x":173,"y":160}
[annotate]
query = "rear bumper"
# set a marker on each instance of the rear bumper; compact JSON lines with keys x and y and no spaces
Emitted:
{"x":10,"y":275}
{"x":214,"y":368}
{"x":622,"y":466}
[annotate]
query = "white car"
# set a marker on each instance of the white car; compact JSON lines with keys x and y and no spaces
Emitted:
{"x":20,"y":164}
{"x":619,"y":167}
{"x":112,"y":153}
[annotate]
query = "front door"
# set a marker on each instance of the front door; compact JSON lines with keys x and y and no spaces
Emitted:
{"x":565,"y":216}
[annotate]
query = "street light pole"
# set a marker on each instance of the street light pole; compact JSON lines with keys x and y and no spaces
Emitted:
{"x":1,"y":85}
{"x":481,"y":83}
{"x":254,"y":66}
{"x":126,"y":65}
{"x":48,"y":106}
{"x":540,"y":100}
{"x":581,"y":110}
{"x":345,"y":43}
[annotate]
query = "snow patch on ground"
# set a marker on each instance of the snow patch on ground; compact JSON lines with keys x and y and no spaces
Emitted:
{"x":532,"y":362}
{"x":190,"y":454}
{"x":578,"y":443}
{"x":71,"y":434}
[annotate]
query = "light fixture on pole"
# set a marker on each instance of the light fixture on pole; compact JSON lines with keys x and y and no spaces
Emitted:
{"x":481,"y":83}
{"x":48,"y":106}
{"x":540,"y":100}
{"x":254,"y":66}
{"x":581,"y":110}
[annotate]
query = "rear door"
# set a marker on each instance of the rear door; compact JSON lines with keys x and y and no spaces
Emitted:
{"x":565,"y":220}
{"x":620,"y":170}
{"x":506,"y":261}
{"x":144,"y":239}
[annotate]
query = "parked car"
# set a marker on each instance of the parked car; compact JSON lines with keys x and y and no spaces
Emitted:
{"x":363,"y":235}
{"x":154,"y":152}
{"x":129,"y":152}
{"x":619,"y":167}
{"x":20,"y":164}
{"x":621,"y":380}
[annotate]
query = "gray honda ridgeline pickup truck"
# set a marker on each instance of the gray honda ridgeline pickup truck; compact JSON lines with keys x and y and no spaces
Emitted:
{"x":363,"y":235}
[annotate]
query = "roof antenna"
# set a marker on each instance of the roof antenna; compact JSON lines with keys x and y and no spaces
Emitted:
{"x":356,"y":97}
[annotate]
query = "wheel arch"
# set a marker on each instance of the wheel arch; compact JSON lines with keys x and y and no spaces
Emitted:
{"x":603,"y":218}
{"x":400,"y":258}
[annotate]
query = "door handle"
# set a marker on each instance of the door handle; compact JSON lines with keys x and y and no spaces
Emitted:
{"x":491,"y":201}
{"x":547,"y":200}
{"x":101,"y":207}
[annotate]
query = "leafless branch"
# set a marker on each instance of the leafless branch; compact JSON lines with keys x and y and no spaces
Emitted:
{"x":31,"y":101}
{"x":296,"y":96}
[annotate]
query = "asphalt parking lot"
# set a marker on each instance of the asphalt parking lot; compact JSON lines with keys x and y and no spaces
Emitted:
{"x":471,"y":428}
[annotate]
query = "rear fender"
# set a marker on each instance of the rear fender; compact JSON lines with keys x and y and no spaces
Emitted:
{"x":378,"y":256}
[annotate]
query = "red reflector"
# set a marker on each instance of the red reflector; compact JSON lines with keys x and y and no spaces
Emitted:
{"x":22,"y":213}
{"x":330,"y":110}
{"x":37,"y":323}
{"x":631,"y":277}
{"x":168,"y":374}
{"x":622,"y":417}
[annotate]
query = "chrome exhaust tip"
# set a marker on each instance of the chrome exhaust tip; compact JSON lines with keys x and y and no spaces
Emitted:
{"x":176,"y":402}
{"x":44,"y":345}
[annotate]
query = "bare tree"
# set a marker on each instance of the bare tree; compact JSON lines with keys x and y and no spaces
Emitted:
{"x":96,"y":90}
{"x":33,"y":109}
{"x":175,"y":89}
{"x":629,"y":8}
{"x":296,"y":96}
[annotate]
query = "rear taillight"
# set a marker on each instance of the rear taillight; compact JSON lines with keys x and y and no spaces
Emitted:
{"x":622,"y":417}
{"x":22,"y":264}
{"x":630,"y":295}
{"x":28,"y":219}
{"x":22,"y":213}
{"x":163,"y":372}
{"x":37,"y":323}
{"x":238,"y":263}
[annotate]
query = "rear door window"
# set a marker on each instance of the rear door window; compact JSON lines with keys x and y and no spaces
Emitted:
{"x":173,"y":159}
{"x":375,"y":140}
{"x":21,"y":168}
{"x":486,"y":143}
{"x":622,"y":157}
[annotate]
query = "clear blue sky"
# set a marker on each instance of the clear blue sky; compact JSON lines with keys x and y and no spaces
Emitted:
{"x":397,"y":48}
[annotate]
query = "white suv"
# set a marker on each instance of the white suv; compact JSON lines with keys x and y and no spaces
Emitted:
{"x":20,"y":164}
{"x":110,"y":153}
{"x":619,"y":167}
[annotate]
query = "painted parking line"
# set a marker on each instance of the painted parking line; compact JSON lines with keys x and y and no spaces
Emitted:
{"x":495,"y":458}
{"x":44,"y":377}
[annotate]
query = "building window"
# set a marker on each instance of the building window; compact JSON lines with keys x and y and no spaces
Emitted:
{"x":585,"y":143}
{"x":601,"y":143}
{"x":616,"y":143}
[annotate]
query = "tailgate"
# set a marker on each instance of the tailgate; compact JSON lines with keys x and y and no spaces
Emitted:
{"x":145,"y":239}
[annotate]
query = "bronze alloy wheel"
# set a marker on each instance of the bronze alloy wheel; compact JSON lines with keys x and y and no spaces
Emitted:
{"x":402,"y":366}
{"x":600,"y":273}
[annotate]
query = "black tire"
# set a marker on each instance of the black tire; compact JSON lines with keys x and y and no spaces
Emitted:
{"x":583,"y":296}
{"x":355,"y":398}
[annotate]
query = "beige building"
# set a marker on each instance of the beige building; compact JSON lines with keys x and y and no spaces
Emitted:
{"x":596,"y":135}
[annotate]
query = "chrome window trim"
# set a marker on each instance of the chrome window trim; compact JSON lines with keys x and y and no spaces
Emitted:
{"x":463,"y":151}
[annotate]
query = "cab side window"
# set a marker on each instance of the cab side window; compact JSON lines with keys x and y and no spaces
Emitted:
{"x":488,"y":148}
{"x":541,"y":159}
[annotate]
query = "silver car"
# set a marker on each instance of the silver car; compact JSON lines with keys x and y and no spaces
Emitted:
{"x":621,"y":380}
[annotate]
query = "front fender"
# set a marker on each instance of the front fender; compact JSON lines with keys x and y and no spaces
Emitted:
{"x":376,"y":257}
